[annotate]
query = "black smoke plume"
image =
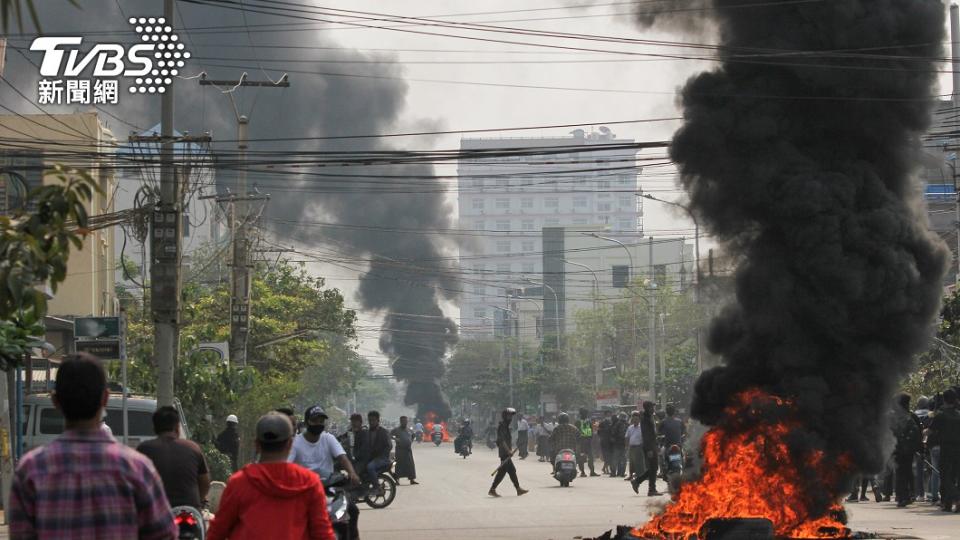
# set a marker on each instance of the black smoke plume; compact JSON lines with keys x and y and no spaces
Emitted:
{"x":408,"y":276}
{"x":799,"y":153}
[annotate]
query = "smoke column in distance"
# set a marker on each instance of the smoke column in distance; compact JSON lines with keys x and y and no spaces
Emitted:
{"x":803,"y":167}
{"x":410,"y":276}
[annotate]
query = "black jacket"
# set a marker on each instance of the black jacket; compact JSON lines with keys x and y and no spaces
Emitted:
{"x":649,"y":430}
{"x":504,"y":440}
{"x":380,"y":444}
{"x":945,"y":429}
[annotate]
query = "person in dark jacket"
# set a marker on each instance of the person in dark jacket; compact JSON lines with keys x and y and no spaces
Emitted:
{"x":649,"y":430}
{"x":228,"y":442}
{"x":603,"y":433}
{"x":380,"y":446}
{"x":908,"y":432}
{"x":505,"y":448}
{"x":618,"y":446}
{"x":945,"y":432}
{"x":273,"y":499}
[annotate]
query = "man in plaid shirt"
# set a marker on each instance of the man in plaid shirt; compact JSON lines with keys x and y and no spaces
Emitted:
{"x":85,"y":484}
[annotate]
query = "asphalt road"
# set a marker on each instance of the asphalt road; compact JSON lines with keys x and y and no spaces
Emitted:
{"x":452,"y":503}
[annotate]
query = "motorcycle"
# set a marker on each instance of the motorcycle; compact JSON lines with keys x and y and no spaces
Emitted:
{"x":337,"y":503}
{"x":674,"y":468}
{"x":565,"y":467}
{"x":437,"y":438}
{"x":463,"y":446}
{"x":379,"y":495}
{"x":190,"y":523}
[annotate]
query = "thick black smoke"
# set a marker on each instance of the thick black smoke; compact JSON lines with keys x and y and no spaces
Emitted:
{"x":410,"y":276}
{"x":803,"y":165}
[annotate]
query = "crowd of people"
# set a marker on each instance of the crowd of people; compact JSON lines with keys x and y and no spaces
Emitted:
{"x":924,"y":466}
{"x":630,"y":447}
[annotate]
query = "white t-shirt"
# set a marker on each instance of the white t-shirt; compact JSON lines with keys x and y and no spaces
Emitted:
{"x":318,"y":456}
{"x":522,"y":425}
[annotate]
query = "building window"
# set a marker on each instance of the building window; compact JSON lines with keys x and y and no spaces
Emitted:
{"x":503,"y":269}
{"x":621,"y":276}
{"x":551,"y":202}
{"x":527,"y":246}
{"x":479,"y":269}
{"x":551,"y":222}
{"x":624,"y":202}
{"x":503,"y":225}
{"x":580,"y":221}
{"x":503,"y":182}
{"x":479,"y":226}
{"x":479,"y":290}
{"x":625,"y":225}
{"x":479,"y":313}
{"x":604,"y":207}
{"x":579,"y":202}
{"x":529,"y":268}
{"x":526,"y":203}
{"x":503,"y":204}
{"x":527,"y":224}
{"x":624,"y":180}
{"x":603,"y":184}
{"x":503,"y":246}
{"x":478,"y":204}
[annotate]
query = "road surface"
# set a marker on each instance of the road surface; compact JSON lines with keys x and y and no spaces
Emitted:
{"x":452,"y":504}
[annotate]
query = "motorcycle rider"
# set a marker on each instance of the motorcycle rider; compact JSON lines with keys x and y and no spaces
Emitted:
{"x":318,"y":450}
{"x":380,"y":446}
{"x":565,"y":436}
{"x":465,"y":437}
{"x":180,"y":463}
{"x":418,"y":431}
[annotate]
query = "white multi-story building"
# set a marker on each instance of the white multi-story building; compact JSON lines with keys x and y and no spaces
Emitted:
{"x":512,"y":188}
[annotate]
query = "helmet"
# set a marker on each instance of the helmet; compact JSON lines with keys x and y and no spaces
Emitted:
{"x":232,"y":419}
{"x":563,"y":418}
{"x":467,"y":421}
{"x":923,"y":402}
{"x":509,"y":411}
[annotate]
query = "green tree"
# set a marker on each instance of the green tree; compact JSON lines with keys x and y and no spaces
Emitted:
{"x":301,"y":350}
{"x":938,"y":368}
{"x":35,"y":244}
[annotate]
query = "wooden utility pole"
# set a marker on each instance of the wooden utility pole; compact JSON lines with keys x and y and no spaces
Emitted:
{"x":241,"y":218}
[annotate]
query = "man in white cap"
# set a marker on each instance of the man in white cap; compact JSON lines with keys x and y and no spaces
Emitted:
{"x":505,"y":446}
{"x":228,"y":441}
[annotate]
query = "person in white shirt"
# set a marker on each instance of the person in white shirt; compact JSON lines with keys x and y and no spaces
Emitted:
{"x":634,"y":439}
{"x":523,"y":441}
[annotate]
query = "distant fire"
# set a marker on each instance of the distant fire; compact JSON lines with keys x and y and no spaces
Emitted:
{"x":749,"y":472}
{"x":430,"y":420}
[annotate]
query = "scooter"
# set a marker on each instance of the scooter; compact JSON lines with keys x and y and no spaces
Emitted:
{"x":190,"y":523}
{"x":565,"y":467}
{"x":437,"y":438}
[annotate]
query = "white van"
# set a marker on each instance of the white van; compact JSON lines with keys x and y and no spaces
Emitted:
{"x":42,"y":422}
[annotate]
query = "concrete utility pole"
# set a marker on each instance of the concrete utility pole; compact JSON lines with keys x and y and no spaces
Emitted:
{"x":240,"y":223}
{"x":597,"y":365}
{"x":165,"y":250}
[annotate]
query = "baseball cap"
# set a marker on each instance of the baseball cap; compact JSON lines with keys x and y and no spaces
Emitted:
{"x":314,"y":411}
{"x":274,"y":427}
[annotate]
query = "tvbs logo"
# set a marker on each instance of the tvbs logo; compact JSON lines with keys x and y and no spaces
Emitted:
{"x":147,"y":67}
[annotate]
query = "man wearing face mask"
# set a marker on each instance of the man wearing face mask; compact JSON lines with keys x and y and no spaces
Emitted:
{"x":317,"y":450}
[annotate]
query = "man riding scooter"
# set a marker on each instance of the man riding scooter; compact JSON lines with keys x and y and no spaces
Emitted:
{"x":463,"y":444}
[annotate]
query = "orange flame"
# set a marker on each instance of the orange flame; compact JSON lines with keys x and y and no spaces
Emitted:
{"x":749,"y":472}
{"x":430,"y":420}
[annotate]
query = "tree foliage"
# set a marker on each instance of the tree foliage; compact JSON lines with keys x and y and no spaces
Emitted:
{"x":938,"y":368}
{"x":35,"y":244}
{"x":301,"y":350}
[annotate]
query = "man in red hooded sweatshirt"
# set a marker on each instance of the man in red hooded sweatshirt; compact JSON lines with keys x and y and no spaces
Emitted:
{"x":273,"y":499}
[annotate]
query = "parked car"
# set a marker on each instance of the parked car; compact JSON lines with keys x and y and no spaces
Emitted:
{"x":42,"y":422}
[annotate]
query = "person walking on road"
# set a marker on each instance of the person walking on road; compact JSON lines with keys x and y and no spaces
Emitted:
{"x":505,"y":448}
{"x":585,"y":425}
{"x":273,"y":498}
{"x":85,"y":484}
{"x":649,"y":432}
{"x":634,"y":441}
{"x":179,"y":462}
{"x":523,"y":440}
{"x":945,"y":431}
{"x":906,"y":428}
{"x":406,"y":468}
{"x":228,"y":442}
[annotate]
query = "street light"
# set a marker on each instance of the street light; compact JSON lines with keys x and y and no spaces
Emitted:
{"x":597,"y":371}
{"x":556,"y":308}
{"x":624,"y":246}
{"x":696,"y":249}
{"x":696,"y":235}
